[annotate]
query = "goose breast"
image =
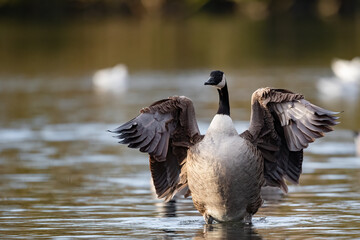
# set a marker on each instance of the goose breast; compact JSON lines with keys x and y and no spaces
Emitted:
{"x":225,"y":175}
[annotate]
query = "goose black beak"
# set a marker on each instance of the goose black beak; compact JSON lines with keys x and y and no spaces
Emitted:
{"x":211,"y":81}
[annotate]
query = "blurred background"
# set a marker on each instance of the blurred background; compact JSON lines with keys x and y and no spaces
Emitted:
{"x":75,"y":37}
{"x":71,"y":69}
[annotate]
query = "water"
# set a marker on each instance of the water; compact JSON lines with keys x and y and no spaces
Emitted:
{"x":62,"y":176}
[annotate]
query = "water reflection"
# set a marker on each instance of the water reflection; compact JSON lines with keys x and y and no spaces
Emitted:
{"x":227,"y":231}
{"x":167,"y":209}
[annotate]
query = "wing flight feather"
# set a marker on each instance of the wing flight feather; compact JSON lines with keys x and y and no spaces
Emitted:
{"x":283,"y":124}
{"x":164,"y":130}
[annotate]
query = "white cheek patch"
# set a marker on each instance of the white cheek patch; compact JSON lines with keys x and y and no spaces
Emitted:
{"x":222,"y":83}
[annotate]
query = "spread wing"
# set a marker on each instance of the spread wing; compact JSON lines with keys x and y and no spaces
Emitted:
{"x":283,"y":124}
{"x":165,"y":130}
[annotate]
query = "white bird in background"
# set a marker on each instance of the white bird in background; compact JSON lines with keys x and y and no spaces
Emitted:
{"x":113,"y":79}
{"x":346,"y":82}
{"x":347,"y":70}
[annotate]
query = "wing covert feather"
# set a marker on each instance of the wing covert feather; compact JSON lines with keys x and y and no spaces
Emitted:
{"x":282,"y":124}
{"x":164,"y":130}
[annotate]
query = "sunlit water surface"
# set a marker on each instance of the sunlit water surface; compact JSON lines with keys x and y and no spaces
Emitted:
{"x":63,"y":176}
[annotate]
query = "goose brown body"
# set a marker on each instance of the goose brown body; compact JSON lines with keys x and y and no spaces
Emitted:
{"x":225,"y":174}
{"x":222,"y":170}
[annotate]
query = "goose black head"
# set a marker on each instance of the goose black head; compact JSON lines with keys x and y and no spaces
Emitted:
{"x":217,"y":79}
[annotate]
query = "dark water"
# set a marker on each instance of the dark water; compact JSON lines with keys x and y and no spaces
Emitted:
{"x":62,"y":176}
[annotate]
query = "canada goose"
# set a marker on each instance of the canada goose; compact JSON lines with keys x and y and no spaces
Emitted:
{"x":113,"y":79}
{"x":222,"y":170}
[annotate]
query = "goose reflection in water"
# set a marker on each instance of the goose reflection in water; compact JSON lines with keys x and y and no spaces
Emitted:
{"x":228,"y":231}
{"x":166,"y":209}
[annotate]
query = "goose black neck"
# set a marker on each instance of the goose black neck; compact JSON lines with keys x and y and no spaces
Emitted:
{"x":224,"y":105}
